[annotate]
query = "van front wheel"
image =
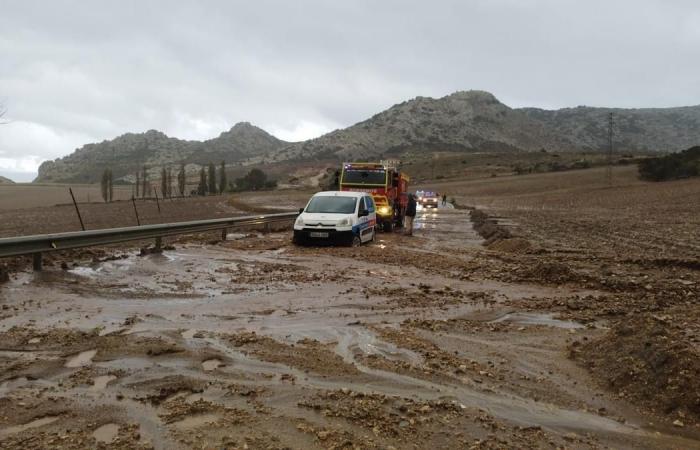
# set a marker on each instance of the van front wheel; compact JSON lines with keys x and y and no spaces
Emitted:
{"x":356,"y":241}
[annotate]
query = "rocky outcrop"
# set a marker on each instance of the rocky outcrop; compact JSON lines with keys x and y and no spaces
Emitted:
{"x":128,"y":153}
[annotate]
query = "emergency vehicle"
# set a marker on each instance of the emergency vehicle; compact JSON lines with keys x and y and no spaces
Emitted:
{"x":427,"y":199}
{"x":387,"y":185}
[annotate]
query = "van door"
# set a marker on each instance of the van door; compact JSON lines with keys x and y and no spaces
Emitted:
{"x":363,"y":221}
{"x":371,"y":217}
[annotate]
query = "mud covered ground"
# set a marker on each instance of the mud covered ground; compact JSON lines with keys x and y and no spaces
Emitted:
{"x":430,"y":341}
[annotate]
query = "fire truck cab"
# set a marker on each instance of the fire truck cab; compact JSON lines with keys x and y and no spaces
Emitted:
{"x":387,"y":185}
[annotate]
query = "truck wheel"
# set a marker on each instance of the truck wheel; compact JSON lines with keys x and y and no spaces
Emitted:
{"x":388,"y":226}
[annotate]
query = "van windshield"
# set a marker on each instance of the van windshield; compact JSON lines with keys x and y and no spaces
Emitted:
{"x":332,"y":205}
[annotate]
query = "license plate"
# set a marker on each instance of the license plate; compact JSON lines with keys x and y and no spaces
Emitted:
{"x":318,"y":234}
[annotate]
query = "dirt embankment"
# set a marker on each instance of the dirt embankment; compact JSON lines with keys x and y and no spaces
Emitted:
{"x":487,"y":227}
{"x":650,"y":360}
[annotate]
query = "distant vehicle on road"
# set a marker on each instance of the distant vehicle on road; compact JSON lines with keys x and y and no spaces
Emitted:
{"x":427,"y":199}
{"x":337,"y":217}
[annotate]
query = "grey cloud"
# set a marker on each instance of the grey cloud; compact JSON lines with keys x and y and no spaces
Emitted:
{"x":95,"y":69}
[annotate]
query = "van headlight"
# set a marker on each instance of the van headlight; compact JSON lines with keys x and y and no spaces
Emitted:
{"x":343,"y":223}
{"x":299,"y":222}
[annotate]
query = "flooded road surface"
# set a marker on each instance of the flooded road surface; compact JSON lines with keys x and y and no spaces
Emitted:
{"x":253,"y":343}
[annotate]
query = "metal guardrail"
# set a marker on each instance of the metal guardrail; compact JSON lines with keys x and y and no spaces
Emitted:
{"x":38,"y":244}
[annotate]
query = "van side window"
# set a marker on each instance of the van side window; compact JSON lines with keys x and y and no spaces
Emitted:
{"x":362,"y":204}
{"x":370,"y":204}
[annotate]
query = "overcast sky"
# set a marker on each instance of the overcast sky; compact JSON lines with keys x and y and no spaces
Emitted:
{"x":75,"y":72}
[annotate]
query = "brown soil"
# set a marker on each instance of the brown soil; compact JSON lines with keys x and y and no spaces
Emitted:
{"x":308,"y":355}
{"x":430,"y":341}
{"x":650,"y":360}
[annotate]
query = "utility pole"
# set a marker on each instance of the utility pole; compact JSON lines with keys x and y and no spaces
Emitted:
{"x":608,"y":170}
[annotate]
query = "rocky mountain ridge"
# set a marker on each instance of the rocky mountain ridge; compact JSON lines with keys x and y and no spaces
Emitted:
{"x":466,"y":121}
{"x":128,"y":153}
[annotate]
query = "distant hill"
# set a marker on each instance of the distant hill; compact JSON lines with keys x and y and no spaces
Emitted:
{"x":128,"y":153}
{"x":650,"y":129}
{"x":467,"y":121}
{"x":4,"y":180}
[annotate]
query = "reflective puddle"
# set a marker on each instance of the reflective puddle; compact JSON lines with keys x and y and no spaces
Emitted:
{"x":538,"y":319}
{"x":100,"y":383}
{"x":106,"y":433}
{"x":211,"y":364}
{"x":81,"y":359}
{"x":33,"y":424}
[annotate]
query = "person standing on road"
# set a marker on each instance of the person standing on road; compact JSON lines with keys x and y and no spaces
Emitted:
{"x":444,"y":199}
{"x":410,"y":214}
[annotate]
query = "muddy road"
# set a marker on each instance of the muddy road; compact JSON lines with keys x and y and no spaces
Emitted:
{"x":430,"y":341}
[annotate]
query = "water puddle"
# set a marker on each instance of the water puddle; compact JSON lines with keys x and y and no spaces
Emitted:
{"x":7,"y":386}
{"x":538,"y":319}
{"x":81,"y":359}
{"x":85,"y":271}
{"x":100,"y":383}
{"x":35,"y":340}
{"x":197,"y":421}
{"x":33,"y":424}
{"x":189,"y":334}
{"x":106,"y":433}
{"x":211,"y":364}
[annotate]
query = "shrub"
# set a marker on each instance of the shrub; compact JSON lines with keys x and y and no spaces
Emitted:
{"x":671,"y":167}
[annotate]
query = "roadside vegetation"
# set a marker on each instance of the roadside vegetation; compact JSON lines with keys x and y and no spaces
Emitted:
{"x":673,"y":166}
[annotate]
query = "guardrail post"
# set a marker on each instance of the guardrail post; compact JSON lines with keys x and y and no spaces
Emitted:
{"x":159,"y":243}
{"x":224,"y":233}
{"x":267,"y":227}
{"x":36,"y":262}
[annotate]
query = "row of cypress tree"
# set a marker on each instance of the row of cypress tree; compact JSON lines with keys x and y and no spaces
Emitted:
{"x":208,"y":183}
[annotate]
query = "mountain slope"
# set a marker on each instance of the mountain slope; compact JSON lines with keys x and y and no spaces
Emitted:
{"x":654,"y":129}
{"x":467,"y":121}
{"x":4,"y":180}
{"x":128,"y":153}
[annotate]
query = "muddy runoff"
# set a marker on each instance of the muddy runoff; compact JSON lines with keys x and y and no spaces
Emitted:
{"x":411,"y":342}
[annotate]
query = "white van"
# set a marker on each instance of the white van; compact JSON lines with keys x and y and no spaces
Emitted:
{"x":336,"y":217}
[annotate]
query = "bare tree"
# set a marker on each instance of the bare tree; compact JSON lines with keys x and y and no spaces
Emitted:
{"x":145,"y":189}
{"x":222,"y":177}
{"x":170,"y":182}
{"x":104,"y":185}
{"x":181,"y":180}
{"x":110,"y":185}
{"x":164,"y":182}
{"x":202,"y":188}
{"x":212,"y":179}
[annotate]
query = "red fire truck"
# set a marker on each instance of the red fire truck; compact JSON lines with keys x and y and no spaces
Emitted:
{"x":387,"y":185}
